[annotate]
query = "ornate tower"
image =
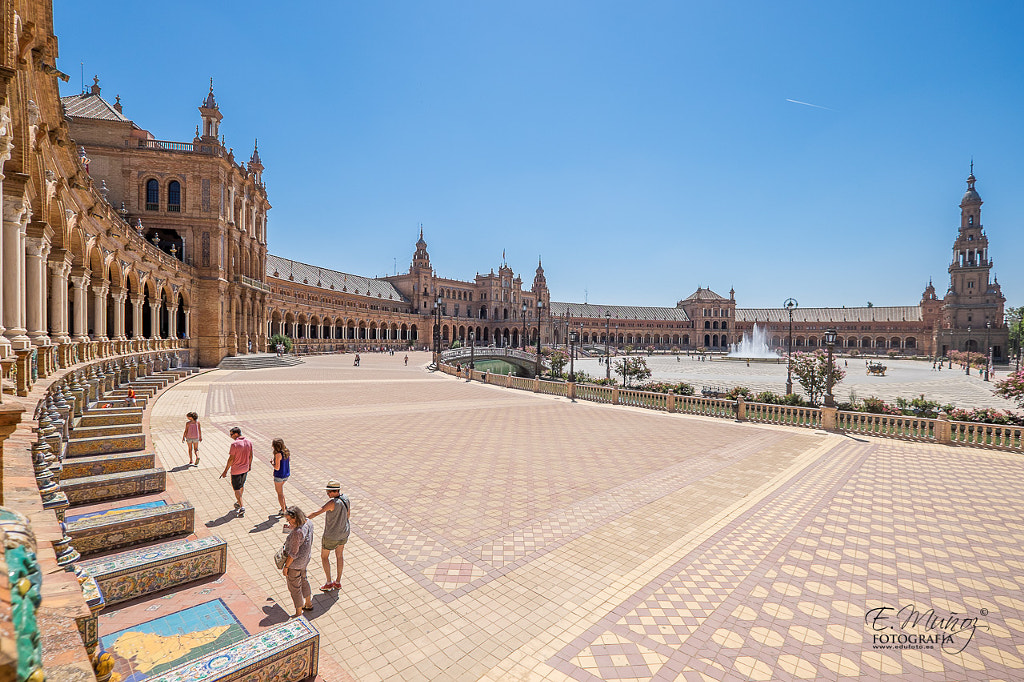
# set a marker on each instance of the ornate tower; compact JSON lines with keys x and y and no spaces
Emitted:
{"x":210,"y":113}
{"x":422,"y":276}
{"x":972,"y":309}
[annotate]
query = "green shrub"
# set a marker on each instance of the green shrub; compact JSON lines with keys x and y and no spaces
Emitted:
{"x":283,"y":340}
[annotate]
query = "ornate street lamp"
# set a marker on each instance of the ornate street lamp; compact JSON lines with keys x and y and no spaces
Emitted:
{"x":522,"y":340}
{"x":830,"y":341}
{"x":437,"y":330}
{"x":540,"y":310}
{"x":472,"y":352}
{"x":573,"y":339}
{"x":967,"y":347}
{"x":607,"y":355}
{"x":789,"y":304}
{"x":988,"y":354}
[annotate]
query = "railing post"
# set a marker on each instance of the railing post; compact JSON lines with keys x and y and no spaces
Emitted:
{"x":536,"y":384}
{"x":741,"y":409}
{"x":943,"y":429}
{"x":670,"y":402}
{"x":829,"y":418}
{"x":571,"y":393}
{"x":615,"y":395}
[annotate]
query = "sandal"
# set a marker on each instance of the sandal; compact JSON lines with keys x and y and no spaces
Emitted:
{"x":307,"y":608}
{"x":336,"y":585}
{"x":327,"y":587}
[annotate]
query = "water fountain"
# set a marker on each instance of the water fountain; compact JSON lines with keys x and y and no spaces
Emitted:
{"x":753,"y":346}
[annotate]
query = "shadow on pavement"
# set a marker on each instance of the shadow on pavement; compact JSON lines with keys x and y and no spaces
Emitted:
{"x":275,"y":615}
{"x":222,"y":520}
{"x":266,"y":525}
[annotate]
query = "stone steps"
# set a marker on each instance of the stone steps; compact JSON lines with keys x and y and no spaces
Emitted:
{"x":261,"y":361}
{"x":82,"y":467}
{"x":289,"y":651}
{"x":127,"y":527}
{"x":103,"y":445}
{"x":139,"y":572}
{"x":108,"y":417}
{"x":113,"y":486}
{"x":80,"y":431}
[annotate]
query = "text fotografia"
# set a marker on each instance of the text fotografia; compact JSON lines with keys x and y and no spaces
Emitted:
{"x":900,"y":628}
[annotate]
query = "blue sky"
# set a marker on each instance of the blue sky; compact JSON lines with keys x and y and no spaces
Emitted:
{"x":641,"y":148}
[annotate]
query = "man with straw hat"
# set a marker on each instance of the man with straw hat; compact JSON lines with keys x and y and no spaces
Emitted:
{"x":336,"y":531}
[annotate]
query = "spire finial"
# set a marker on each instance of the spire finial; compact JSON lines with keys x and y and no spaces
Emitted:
{"x":211,"y":84}
{"x":972,"y":165}
{"x":256,"y":144}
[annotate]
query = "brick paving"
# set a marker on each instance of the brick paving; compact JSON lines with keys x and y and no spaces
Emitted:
{"x":503,"y":535}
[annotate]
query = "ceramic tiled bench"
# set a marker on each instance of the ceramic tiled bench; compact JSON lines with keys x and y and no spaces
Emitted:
{"x":131,"y":527}
{"x":285,"y":653}
{"x":114,"y":486}
{"x":101,"y":445}
{"x":81,"y":467}
{"x":139,"y":572}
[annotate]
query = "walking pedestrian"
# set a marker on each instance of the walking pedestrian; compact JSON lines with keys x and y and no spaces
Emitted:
{"x":297,"y":548}
{"x":336,"y":531}
{"x":282,"y":470}
{"x":239,"y":462}
{"x":193,"y":435}
{"x":406,"y":360}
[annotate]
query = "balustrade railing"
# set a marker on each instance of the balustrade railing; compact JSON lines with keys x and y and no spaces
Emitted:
{"x":787,"y":415}
{"x":996,"y":436}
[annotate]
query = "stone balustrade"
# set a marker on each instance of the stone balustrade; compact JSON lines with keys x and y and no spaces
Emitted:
{"x":940,"y":430}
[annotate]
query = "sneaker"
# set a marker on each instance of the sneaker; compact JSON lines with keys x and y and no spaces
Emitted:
{"x":336,"y":585}
{"x":327,"y":587}
{"x":241,"y":512}
{"x":237,"y":506}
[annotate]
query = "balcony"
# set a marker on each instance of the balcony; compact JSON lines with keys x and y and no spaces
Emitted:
{"x":252,"y":283}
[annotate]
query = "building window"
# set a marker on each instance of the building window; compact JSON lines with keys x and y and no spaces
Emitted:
{"x":174,"y":196}
{"x":970,"y":220}
{"x":152,"y":195}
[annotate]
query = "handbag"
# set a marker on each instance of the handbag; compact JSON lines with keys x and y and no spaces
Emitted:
{"x":280,"y":558}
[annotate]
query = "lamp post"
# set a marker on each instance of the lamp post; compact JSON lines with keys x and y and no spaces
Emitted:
{"x":540,"y":310}
{"x":522,"y":340}
{"x":580,"y":340}
{"x":789,"y":304}
{"x":988,"y":353}
{"x":967,"y":347}
{"x":472,"y":352}
{"x":573,"y":338}
{"x":437,"y":330}
{"x":830,"y":341}
{"x":1020,"y":339}
{"x":607,"y":355}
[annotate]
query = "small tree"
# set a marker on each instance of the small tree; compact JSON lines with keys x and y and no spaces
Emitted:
{"x":283,"y":340}
{"x":558,"y":361}
{"x":635,"y":368}
{"x":1012,"y":387}
{"x":811,"y":370}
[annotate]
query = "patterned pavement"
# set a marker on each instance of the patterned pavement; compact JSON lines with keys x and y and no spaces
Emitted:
{"x":503,"y":535}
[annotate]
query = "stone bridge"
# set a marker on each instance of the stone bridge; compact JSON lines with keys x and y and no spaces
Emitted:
{"x":524,"y":360}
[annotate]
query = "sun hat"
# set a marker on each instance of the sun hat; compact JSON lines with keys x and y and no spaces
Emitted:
{"x":333,"y":485}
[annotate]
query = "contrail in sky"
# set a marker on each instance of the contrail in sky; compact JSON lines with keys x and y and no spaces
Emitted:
{"x":808,"y":104}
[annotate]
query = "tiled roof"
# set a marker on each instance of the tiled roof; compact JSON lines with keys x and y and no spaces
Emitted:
{"x":704,"y":294}
{"x":88,"y":105}
{"x":619,"y":312}
{"x":897,"y":313}
{"x":290,"y":270}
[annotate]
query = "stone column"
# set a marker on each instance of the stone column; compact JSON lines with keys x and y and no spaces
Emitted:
{"x":154,"y":319}
{"x":15,"y":210}
{"x":137,"y":316}
{"x":59,"y":271}
{"x":172,"y":322}
{"x":118,"y":297}
{"x":99,"y":313}
{"x":81,"y":322}
{"x":36,"y":250}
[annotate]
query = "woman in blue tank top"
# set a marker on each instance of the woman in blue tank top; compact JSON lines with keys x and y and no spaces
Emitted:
{"x":282,"y":470}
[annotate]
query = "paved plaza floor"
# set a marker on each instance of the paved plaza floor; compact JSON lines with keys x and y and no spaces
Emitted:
{"x":503,"y":535}
{"x":903,"y":379}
